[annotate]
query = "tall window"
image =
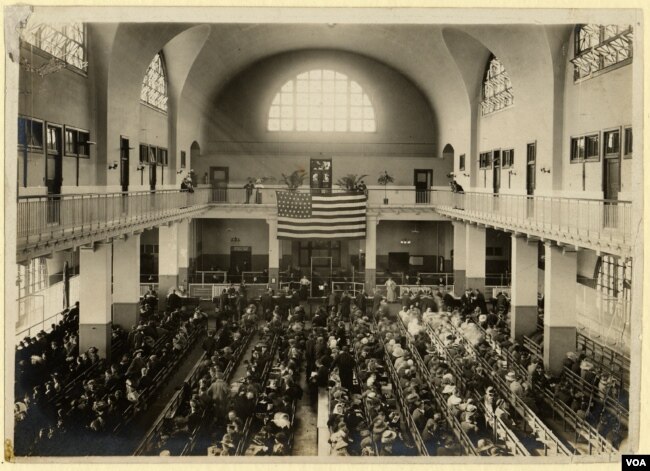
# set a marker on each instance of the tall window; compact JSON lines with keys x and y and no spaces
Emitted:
{"x":599,"y":47}
{"x":154,"y":85}
{"x":63,"y":41}
{"x":497,"y":88}
{"x":322,"y":101}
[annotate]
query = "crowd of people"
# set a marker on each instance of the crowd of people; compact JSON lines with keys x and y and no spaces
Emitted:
{"x":103,"y":395}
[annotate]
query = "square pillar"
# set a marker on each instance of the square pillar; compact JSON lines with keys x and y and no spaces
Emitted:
{"x":167,"y":262}
{"x":560,"y":274}
{"x":475,"y":257}
{"x":274,"y":254}
{"x":523,"y":318}
{"x":183,"y":245}
{"x":126,"y":281}
{"x":95,"y":297}
{"x":460,"y":257}
{"x":370,"y":268}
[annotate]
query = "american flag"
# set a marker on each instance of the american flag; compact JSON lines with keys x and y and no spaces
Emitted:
{"x":306,"y":216}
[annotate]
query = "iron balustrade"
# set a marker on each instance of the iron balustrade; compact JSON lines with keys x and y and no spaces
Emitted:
{"x":42,"y":219}
{"x":569,"y":219}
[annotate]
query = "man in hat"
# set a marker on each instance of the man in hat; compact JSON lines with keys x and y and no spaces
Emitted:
{"x":387,"y":441}
{"x":345,"y":363}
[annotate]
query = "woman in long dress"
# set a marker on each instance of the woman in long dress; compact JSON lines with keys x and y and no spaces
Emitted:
{"x":391,"y":293}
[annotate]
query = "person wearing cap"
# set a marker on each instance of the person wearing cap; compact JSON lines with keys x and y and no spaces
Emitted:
{"x":387,"y":441}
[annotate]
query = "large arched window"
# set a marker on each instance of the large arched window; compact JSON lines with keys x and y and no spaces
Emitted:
{"x":497,"y":88}
{"x":66,"y":42}
{"x":154,"y":85}
{"x":322,"y":101}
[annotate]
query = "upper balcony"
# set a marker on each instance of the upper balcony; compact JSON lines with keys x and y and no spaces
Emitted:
{"x":59,"y":222}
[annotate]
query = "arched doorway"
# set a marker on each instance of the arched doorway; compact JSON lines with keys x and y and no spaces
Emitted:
{"x":448,"y":152}
{"x":195,"y":152}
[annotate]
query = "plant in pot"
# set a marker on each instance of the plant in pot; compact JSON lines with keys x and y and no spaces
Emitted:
{"x":351,"y":182}
{"x":294,"y":180}
{"x":385,"y":179}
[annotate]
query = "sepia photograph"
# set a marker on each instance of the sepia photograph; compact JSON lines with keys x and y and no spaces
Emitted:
{"x":323,"y":235}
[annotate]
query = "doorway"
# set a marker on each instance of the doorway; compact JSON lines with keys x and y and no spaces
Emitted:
{"x":124,"y":163}
{"x":241,"y":260}
{"x":531,"y":168}
{"x":219,"y":183}
{"x":422,"y":180}
{"x":611,"y":175}
{"x":398,"y":262}
{"x":152,"y":176}
{"x":320,"y":175}
{"x":54,"y":172}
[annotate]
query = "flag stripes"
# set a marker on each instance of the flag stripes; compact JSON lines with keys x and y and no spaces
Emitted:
{"x":306,"y":216}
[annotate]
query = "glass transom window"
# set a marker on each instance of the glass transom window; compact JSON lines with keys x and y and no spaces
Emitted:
{"x":154,"y":85}
{"x":322,"y":101}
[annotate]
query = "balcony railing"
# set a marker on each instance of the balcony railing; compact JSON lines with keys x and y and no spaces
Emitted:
{"x":571,"y":219}
{"x":44,"y":218}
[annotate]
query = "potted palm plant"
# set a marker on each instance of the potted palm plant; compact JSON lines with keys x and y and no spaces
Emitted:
{"x":351,"y":182}
{"x":385,"y":179}
{"x":294,"y":180}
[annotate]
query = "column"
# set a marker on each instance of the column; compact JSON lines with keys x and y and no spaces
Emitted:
{"x":523,"y":316}
{"x":95,"y":299}
{"x":274,"y":253}
{"x":475,"y":257}
{"x":460,"y":258}
{"x":560,"y":273}
{"x":371,"y":253}
{"x":183,"y":250}
{"x":167,"y":262}
{"x":126,"y":281}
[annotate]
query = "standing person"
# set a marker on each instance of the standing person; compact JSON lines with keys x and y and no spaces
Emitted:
{"x":376,"y":301}
{"x":258,"y":190}
{"x":345,"y":306}
{"x":345,"y":364}
{"x":304,"y":288}
{"x":249,"y":186}
{"x":361,"y":301}
{"x":391,"y":290}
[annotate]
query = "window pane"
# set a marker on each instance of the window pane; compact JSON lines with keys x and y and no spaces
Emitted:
{"x":154,"y":84}
{"x":322,"y":103}
{"x":497,"y":88}
{"x":612,"y":142}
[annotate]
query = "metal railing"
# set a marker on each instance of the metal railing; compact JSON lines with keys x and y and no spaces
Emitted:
{"x":570,"y":218}
{"x":44,"y":218}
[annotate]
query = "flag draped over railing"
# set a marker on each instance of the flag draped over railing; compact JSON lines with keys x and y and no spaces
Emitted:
{"x":302,"y":215}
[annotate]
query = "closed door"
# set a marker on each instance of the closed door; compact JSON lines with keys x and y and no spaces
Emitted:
{"x":422,"y":179}
{"x":611,"y":176}
{"x":496,"y":171}
{"x":152,"y":176}
{"x":219,"y":183}
{"x":124,"y":164}
{"x":54,"y":162}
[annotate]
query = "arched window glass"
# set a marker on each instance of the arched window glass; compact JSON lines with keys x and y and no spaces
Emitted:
{"x":321,"y":101}
{"x":66,"y":42}
{"x":599,"y":47}
{"x":154,"y":85}
{"x":497,"y":88}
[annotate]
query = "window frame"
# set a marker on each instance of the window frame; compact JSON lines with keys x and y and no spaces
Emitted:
{"x":76,"y":132}
{"x":28,"y":135}
{"x":485,"y":160}
{"x":496,"y":96}
{"x":595,"y":57}
{"x":165,"y":77}
{"x":461,"y":162}
{"x":293,"y":109}
{"x":507,"y":163}
{"x":585,"y":158}
{"x":37,"y":46}
{"x":183,"y":159}
{"x":626,"y":154}
{"x":619,"y":153}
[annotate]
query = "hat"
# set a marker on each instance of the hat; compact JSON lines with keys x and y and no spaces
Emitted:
{"x":339,"y":444}
{"x":586,"y":365}
{"x":483,"y":445}
{"x":281,"y":419}
{"x":139,"y":350}
{"x":388,"y":436}
{"x":412,"y":397}
{"x":364,"y":433}
{"x":448,"y":389}
{"x":455,"y":400}
{"x":226,"y":441}
{"x":398,"y":352}
{"x":470,"y":408}
{"x":572,"y":356}
{"x":489,"y":390}
{"x":511,"y":376}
